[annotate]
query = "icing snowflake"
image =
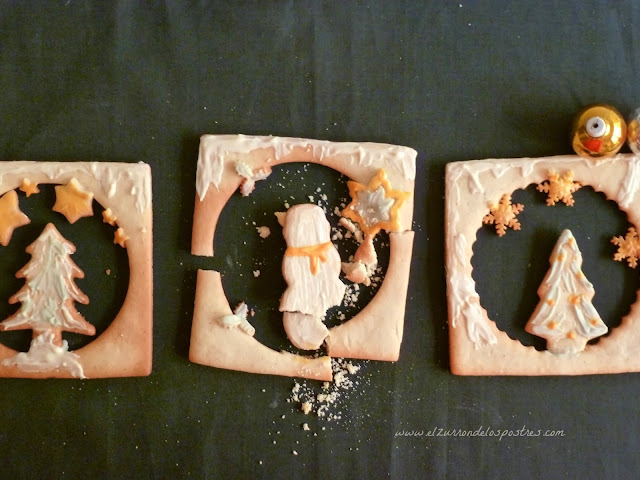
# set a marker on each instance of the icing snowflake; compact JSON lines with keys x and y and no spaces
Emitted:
{"x":559,"y":188}
{"x":628,"y":247}
{"x":503,"y":215}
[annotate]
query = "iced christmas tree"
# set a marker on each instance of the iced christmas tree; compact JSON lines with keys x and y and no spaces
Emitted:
{"x":565,"y":316}
{"x":48,"y":309}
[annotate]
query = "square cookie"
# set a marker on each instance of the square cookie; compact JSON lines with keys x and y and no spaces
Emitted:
{"x":381,"y":176}
{"x":48,"y":297}
{"x":478,"y":195}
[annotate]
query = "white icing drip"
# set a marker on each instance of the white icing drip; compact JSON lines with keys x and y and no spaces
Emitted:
{"x":497,"y":169}
{"x":44,"y":356}
{"x":138,"y":184}
{"x":631,"y":182}
{"x":215,"y":150}
{"x":238,"y":320}
{"x":466,"y":300}
{"x":133,"y":179}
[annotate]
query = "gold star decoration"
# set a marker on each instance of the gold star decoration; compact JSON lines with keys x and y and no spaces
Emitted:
{"x":10,"y":216}
{"x":503,"y":215}
{"x":628,"y":247}
{"x":375,"y":206}
{"x":73,"y":201}
{"x":559,"y":188}
{"x":120,"y":237}
{"x":109,"y":217}
{"x":29,"y":187}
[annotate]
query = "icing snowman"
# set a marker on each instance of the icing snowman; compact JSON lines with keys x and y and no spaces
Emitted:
{"x":311,"y":267}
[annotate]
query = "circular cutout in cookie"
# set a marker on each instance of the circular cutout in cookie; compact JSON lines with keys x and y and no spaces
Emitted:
{"x":251,"y":266}
{"x":105,"y":266}
{"x":508,"y":270}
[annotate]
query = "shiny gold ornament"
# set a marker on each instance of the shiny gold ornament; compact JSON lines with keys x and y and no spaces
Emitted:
{"x":599,"y":131}
{"x":633,"y":132}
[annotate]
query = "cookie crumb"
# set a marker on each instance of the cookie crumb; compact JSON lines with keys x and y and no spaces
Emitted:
{"x":263,"y":231}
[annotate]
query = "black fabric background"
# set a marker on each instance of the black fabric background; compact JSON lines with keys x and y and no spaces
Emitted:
{"x":133,"y":81}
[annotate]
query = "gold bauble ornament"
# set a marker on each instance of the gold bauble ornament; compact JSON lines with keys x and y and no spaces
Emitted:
{"x":599,"y":131}
{"x":633,"y":132}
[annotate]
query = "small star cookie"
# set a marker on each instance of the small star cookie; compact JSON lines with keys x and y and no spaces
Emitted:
{"x":73,"y":201}
{"x":120,"y":237}
{"x":29,"y":187}
{"x":10,"y":216}
{"x":109,"y":217}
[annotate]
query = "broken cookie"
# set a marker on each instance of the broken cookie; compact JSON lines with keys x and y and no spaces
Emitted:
{"x":381,"y":179}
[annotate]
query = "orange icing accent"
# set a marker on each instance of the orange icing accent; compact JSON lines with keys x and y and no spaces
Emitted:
{"x":10,"y":216}
{"x":314,"y":252}
{"x":380,"y":179}
{"x":560,"y":257}
{"x":575,"y":299}
{"x":594,"y":321}
{"x":571,"y":334}
{"x":552,"y":325}
{"x":551,"y":302}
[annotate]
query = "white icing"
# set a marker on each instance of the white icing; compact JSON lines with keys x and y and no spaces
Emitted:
{"x":250,"y":177}
{"x":45,"y":356}
{"x":238,"y":320}
{"x":466,"y":301}
{"x":631,"y":182}
{"x":132,"y":179}
{"x":111,"y":176}
{"x":564,"y":281}
{"x":215,"y":150}
{"x":308,"y":292}
{"x":374,"y":206}
{"x":50,"y":285}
